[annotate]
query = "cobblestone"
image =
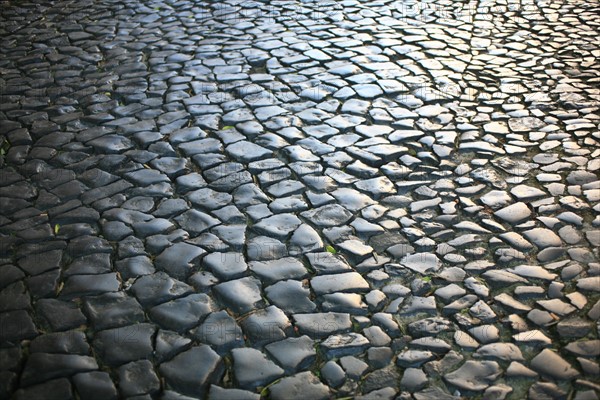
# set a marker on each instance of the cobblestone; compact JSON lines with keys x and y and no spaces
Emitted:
{"x":302,"y":199}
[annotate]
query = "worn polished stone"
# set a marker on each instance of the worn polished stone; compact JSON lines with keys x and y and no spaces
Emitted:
{"x":353,"y":199}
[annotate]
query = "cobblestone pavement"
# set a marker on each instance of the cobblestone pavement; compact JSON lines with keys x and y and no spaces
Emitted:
{"x":299,"y":199}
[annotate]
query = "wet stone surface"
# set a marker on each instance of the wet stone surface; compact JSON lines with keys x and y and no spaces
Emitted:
{"x":244,"y":200}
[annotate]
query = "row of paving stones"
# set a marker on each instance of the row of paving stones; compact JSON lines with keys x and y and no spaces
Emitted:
{"x":297,"y":200}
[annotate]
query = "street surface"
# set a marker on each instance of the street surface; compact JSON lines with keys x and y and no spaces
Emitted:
{"x":299,"y":199}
